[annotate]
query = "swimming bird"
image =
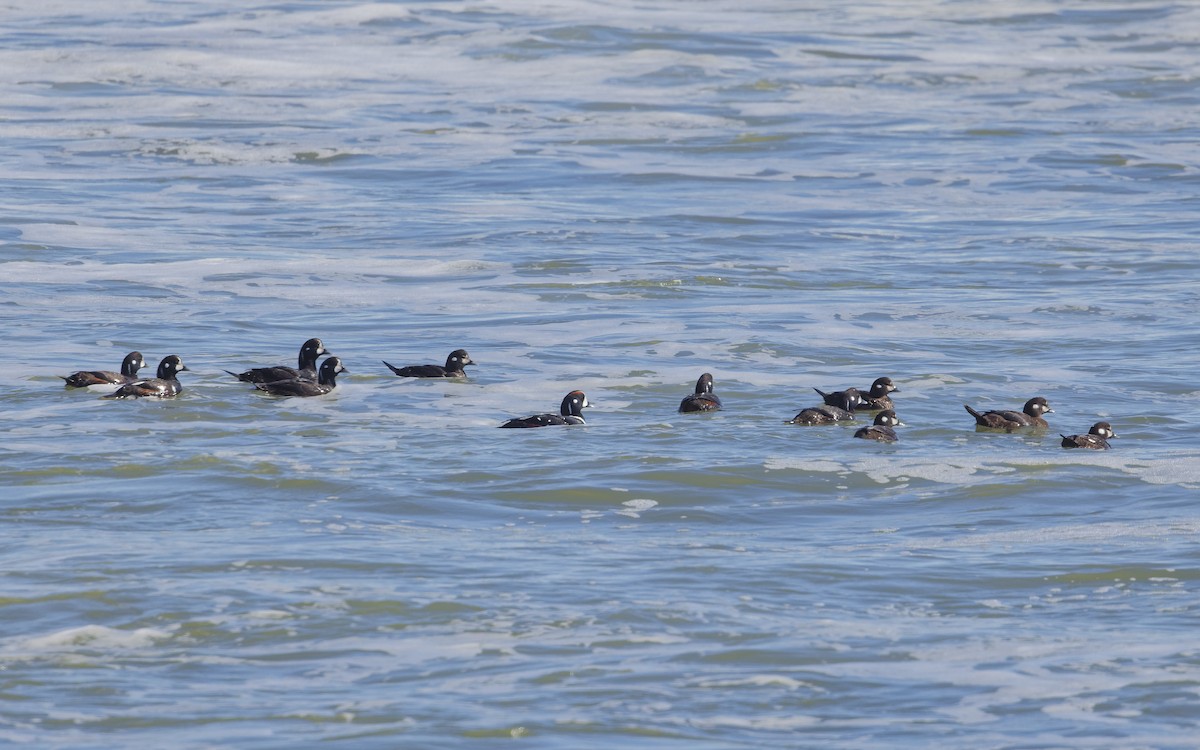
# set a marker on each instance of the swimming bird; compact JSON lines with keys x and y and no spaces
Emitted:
{"x":306,"y":366}
{"x":883,"y":429}
{"x":823,"y":414}
{"x":877,"y":395}
{"x":453,"y":368}
{"x":849,"y":399}
{"x":569,"y":413}
{"x":129,"y":369}
{"x":1029,"y":416}
{"x":164,"y":385}
{"x":1096,"y":439}
{"x":326,"y":382}
{"x":703,"y":399}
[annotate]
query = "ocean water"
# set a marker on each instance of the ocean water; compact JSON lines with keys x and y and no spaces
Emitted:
{"x":985,"y":202}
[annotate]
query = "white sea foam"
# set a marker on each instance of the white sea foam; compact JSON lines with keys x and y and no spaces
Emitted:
{"x":84,"y":638}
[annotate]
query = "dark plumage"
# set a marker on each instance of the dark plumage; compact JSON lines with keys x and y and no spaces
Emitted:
{"x":877,"y":397}
{"x":129,"y":370}
{"x":703,"y":399}
{"x":164,"y":385}
{"x":306,"y":366}
{"x":849,"y":399}
{"x":326,"y":382}
{"x":1096,"y":439}
{"x":824,"y":414}
{"x":569,"y":412}
{"x":1029,"y":416}
{"x":455,"y":363}
{"x":882,"y":430}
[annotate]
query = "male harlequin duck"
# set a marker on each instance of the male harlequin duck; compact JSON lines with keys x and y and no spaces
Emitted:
{"x":455,"y":363}
{"x":568,"y":413}
{"x":877,"y":395}
{"x":1029,"y":416}
{"x":703,"y":399}
{"x":1096,"y":439}
{"x":306,"y":370}
{"x":849,"y":399}
{"x":129,"y":370}
{"x":326,"y":382}
{"x":824,"y":414}
{"x":164,"y":385}
{"x":882,"y":430}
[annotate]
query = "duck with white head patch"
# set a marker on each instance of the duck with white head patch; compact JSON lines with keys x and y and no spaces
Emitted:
{"x":165,"y":385}
{"x":569,"y":413}
{"x":129,"y":370}
{"x":1007,"y":420}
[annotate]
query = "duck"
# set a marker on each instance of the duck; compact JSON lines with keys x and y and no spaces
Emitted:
{"x":569,"y":413}
{"x":326,"y":382}
{"x":306,"y":366}
{"x":1029,"y":416}
{"x":1096,"y":438}
{"x":823,"y":414}
{"x":703,"y":399}
{"x":883,"y":429}
{"x":129,"y":369}
{"x":876,"y":397}
{"x":164,"y":385}
{"x":453,"y":368}
{"x":849,"y":399}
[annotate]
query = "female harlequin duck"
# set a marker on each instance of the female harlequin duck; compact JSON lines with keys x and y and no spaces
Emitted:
{"x":883,"y":429}
{"x":849,"y":399}
{"x":455,"y":363}
{"x":306,"y":370}
{"x":326,"y":382}
{"x":703,"y":399}
{"x":824,"y":414}
{"x":568,"y":413}
{"x":1096,"y":439}
{"x":877,"y":395}
{"x":1029,"y":416}
{"x":165,"y":385}
{"x":129,"y":370}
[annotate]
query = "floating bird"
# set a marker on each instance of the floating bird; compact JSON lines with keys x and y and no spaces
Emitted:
{"x":849,"y":399}
{"x":877,"y":395}
{"x":568,"y":413}
{"x":703,"y":399}
{"x":824,"y":414}
{"x":1096,"y":439}
{"x":129,"y":370}
{"x":883,"y":429}
{"x":164,"y":385}
{"x":455,"y":363}
{"x":326,"y":382}
{"x":307,"y":369}
{"x":1029,"y":416}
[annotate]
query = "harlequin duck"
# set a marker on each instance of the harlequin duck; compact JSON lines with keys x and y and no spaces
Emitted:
{"x":1096,"y":439}
{"x":568,"y":413}
{"x":824,"y":414}
{"x":306,"y":370}
{"x":455,"y":363}
{"x":326,"y":382}
{"x":1029,"y":416}
{"x":882,"y":430}
{"x":877,"y":395}
{"x":849,"y":399}
{"x":129,"y":370}
{"x":703,"y":399}
{"x":164,"y":385}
